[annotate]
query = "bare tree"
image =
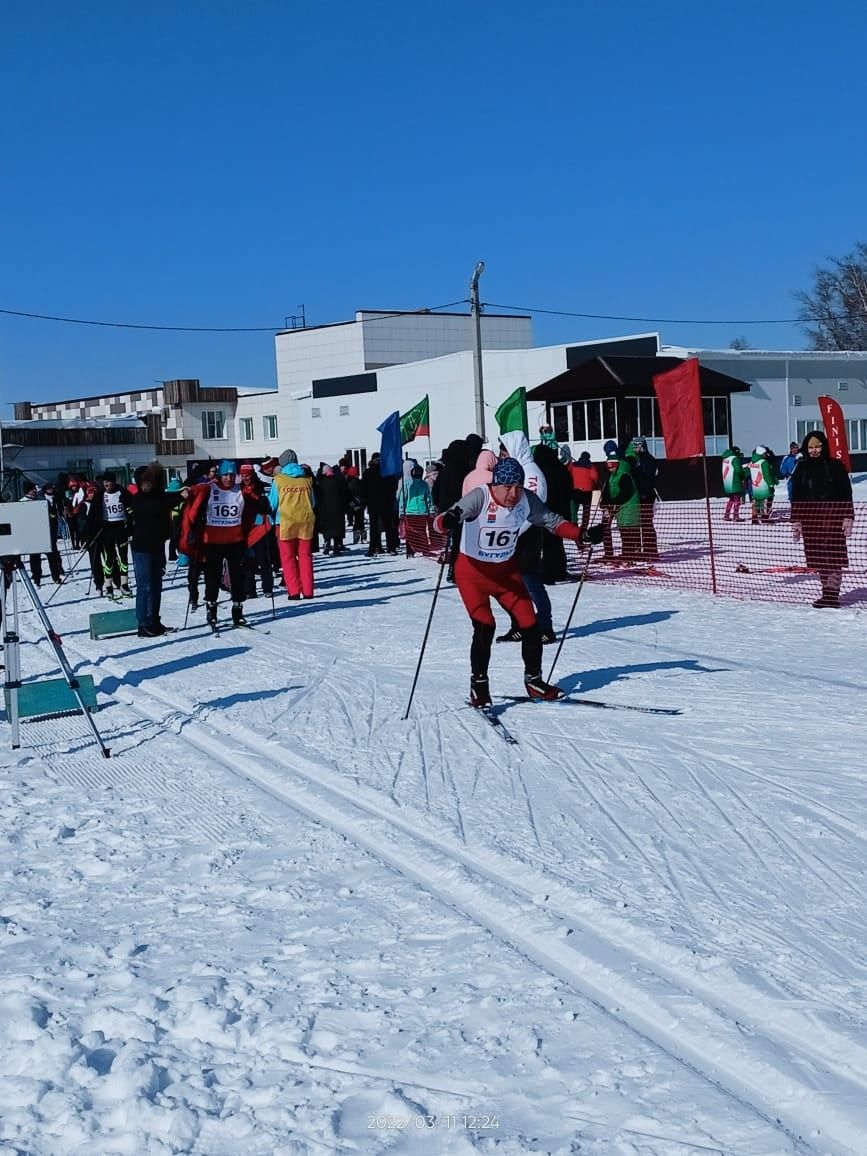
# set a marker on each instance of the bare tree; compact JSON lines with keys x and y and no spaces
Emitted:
{"x":739,"y":343}
{"x":835,"y":313}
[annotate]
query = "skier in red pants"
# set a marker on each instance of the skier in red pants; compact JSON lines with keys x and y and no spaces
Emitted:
{"x":491,"y":519}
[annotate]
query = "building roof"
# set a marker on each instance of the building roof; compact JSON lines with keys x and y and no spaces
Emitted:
{"x":626,"y":376}
{"x":363,"y":315}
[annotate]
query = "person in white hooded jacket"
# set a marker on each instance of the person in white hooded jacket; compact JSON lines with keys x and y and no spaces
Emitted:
{"x":529,"y":552}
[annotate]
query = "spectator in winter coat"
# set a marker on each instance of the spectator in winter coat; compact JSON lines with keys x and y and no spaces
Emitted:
{"x":257,"y":558}
{"x":733,"y":483}
{"x":644,"y":473}
{"x":446,"y":489}
{"x":528,"y":552}
{"x":474,"y":445}
{"x":481,"y":473}
{"x":620,"y":501}
{"x":292,"y":500}
{"x":332,"y":505}
{"x":490,"y":519}
{"x":822,"y":515}
{"x":559,"y":485}
{"x":789,"y":464}
{"x":584,"y":481}
{"x":355,"y":505}
{"x":151,"y":507}
{"x":31,"y":494}
{"x":415,"y":506}
{"x":224,"y":513}
{"x":380,"y":497}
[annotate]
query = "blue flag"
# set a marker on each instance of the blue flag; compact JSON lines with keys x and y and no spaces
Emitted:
{"x":390,"y":452}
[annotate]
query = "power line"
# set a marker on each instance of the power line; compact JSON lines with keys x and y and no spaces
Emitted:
{"x":654,"y":320}
{"x":527,"y":309}
{"x":213,"y":328}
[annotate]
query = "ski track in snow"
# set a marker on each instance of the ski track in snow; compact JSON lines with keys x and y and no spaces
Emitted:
{"x":529,"y":874}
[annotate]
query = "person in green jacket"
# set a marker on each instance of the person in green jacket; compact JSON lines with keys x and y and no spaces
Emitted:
{"x":620,"y":501}
{"x":734,"y":483}
{"x":764,"y":478}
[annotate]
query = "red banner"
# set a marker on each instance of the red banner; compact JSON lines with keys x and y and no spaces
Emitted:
{"x":678,"y":392}
{"x":835,"y":429}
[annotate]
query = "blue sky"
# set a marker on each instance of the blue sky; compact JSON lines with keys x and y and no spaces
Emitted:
{"x":216,"y":163}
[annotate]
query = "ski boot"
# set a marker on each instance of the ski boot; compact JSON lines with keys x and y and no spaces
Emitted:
{"x":480,"y":691}
{"x":238,"y":618}
{"x":212,"y":615}
{"x":541,"y":691}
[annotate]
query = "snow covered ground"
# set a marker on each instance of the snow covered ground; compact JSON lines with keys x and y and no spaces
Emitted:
{"x":282,"y":920}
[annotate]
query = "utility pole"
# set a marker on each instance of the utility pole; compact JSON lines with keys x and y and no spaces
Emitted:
{"x":476,"y":312}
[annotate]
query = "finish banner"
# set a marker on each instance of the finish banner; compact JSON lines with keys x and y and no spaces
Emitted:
{"x":835,"y":430}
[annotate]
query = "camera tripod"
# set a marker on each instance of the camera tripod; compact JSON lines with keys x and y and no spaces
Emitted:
{"x":13,"y":574}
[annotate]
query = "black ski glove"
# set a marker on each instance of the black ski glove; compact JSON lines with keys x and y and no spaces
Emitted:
{"x":450,"y":520}
{"x":593,"y":534}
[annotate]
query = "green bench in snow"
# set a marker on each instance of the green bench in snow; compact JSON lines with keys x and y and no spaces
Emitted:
{"x":108,"y":622}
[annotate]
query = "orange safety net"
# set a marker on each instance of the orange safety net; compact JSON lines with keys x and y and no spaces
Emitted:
{"x":672,"y":545}
{"x":736,"y":554}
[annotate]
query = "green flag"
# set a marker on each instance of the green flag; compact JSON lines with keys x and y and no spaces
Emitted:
{"x":416,"y":422}
{"x":512,"y":414}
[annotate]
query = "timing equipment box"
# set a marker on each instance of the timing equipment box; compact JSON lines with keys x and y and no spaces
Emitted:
{"x":24,"y":528}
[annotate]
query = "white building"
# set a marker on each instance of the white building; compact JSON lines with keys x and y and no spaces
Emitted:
{"x":337,"y":383}
{"x":782,"y":405}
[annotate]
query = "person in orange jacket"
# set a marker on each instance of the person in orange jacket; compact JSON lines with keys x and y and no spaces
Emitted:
{"x":584,"y":481}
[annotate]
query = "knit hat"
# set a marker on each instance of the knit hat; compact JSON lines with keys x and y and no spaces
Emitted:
{"x":174,"y":486}
{"x":508,"y":472}
{"x":612,"y":455}
{"x":245,"y":470}
{"x":227,"y":466}
{"x":286,"y":457}
{"x":608,"y":447}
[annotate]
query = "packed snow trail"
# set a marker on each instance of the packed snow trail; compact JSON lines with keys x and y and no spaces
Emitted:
{"x":743,"y":926}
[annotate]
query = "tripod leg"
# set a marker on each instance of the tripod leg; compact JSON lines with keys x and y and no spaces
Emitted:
{"x":54,"y":638}
{"x":12,"y":658}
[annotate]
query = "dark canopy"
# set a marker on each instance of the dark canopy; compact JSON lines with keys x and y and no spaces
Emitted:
{"x":626,"y":376}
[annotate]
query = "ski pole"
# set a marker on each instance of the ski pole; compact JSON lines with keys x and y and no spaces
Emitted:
{"x":69,"y":574}
{"x":426,"y":633}
{"x":572,"y":611}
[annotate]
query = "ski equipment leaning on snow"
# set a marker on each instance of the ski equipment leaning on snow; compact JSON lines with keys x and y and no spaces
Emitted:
{"x":491,"y":518}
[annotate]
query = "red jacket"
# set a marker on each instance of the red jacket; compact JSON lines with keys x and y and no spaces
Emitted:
{"x":196,"y":531}
{"x":584,"y":478}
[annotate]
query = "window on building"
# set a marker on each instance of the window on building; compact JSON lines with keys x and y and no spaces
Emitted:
{"x":560,"y":422}
{"x":842,"y":384}
{"x":270,"y":423}
{"x":344,"y":411}
{"x":805,"y":427}
{"x":797,"y":399}
{"x":716,"y":416}
{"x":315,"y":411}
{"x":213,"y":425}
{"x":593,"y":420}
{"x":245,"y":428}
{"x":857,"y":434}
{"x":358,"y":458}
